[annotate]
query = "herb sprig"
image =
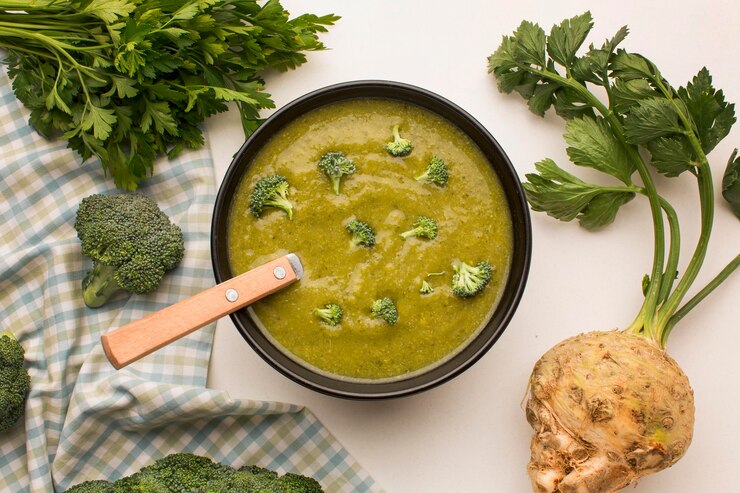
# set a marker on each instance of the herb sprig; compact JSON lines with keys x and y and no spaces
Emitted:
{"x":129,"y":80}
{"x":635,"y":107}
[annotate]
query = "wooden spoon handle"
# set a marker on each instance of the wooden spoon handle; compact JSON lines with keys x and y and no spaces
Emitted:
{"x":141,"y":337}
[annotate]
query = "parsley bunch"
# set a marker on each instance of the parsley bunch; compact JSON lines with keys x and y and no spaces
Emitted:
{"x":130,"y":80}
{"x":616,"y":104}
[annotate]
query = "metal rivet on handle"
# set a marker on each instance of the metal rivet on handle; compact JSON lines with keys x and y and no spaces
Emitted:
{"x":232,"y":295}
{"x":279,"y":272}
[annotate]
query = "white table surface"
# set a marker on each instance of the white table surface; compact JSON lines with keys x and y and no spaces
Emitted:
{"x":470,"y":434}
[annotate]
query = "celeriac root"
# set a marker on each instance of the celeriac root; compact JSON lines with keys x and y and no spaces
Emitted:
{"x":606,"y":408}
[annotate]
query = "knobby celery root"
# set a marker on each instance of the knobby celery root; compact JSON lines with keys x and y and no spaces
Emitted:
{"x":610,"y":407}
{"x":606,"y":408}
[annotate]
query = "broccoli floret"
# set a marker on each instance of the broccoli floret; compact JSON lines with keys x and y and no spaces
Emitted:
{"x":270,"y":191}
{"x":385,"y":309}
{"x":423,"y":227}
{"x":436,"y":172}
{"x":426,"y":288}
{"x":335,"y":165}
{"x":362,"y":233}
{"x":294,"y":483}
{"x":180,"y":472}
{"x":96,"y":486}
{"x":131,"y":242}
{"x":248,"y":479}
{"x":331,"y":313}
{"x":399,"y":147}
{"x":470,"y":280}
{"x":15,"y":381}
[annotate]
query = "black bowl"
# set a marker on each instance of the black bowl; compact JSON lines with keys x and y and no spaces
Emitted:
{"x":477,"y":346}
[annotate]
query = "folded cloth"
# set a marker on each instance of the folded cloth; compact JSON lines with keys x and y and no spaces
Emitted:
{"x":84,"y":420}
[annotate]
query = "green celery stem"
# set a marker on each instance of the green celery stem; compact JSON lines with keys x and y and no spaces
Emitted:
{"x":685,"y":309}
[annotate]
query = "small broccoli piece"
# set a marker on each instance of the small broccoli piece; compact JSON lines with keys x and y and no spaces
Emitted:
{"x":362,"y":233}
{"x":470,"y":280}
{"x":131,"y":242}
{"x":385,"y":309}
{"x":435,"y":173}
{"x":335,"y":165}
{"x":15,"y":381}
{"x":331,"y":313}
{"x":96,"y":486}
{"x":426,"y":288}
{"x":294,"y":483}
{"x":399,"y":147}
{"x":423,"y":227}
{"x":270,"y":191}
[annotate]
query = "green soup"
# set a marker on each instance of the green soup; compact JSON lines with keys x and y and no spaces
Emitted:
{"x":471,"y":212}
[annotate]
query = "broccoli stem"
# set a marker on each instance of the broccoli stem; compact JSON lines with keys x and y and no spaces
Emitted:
{"x":99,"y":285}
{"x":283,"y":204}
{"x":335,"y":182}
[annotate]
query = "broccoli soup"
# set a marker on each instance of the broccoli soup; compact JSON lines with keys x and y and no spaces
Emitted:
{"x":397,"y":309}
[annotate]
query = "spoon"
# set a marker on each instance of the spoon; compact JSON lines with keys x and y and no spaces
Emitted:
{"x":131,"y":342}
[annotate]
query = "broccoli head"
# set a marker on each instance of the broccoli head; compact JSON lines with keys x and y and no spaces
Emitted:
{"x":385,"y":309}
{"x":435,"y":173}
{"x":96,"y":486}
{"x":426,"y":288}
{"x":270,"y":191}
{"x":131,"y":242}
{"x":470,"y":280}
{"x":362,"y":233}
{"x":399,"y":147}
{"x":423,"y":227}
{"x":330,"y":314}
{"x":15,"y":381}
{"x":335,"y":165}
{"x":190,"y":473}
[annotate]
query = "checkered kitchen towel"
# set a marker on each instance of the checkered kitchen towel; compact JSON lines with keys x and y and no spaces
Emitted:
{"x":84,"y":420}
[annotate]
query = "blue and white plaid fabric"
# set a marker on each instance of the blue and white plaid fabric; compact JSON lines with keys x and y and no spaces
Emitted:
{"x":84,"y":420}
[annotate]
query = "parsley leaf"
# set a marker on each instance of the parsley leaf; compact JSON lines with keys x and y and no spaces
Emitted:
{"x":129,"y":81}
{"x":99,"y":120}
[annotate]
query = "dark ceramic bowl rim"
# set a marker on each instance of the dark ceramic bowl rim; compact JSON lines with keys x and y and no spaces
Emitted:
{"x":513,"y":290}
